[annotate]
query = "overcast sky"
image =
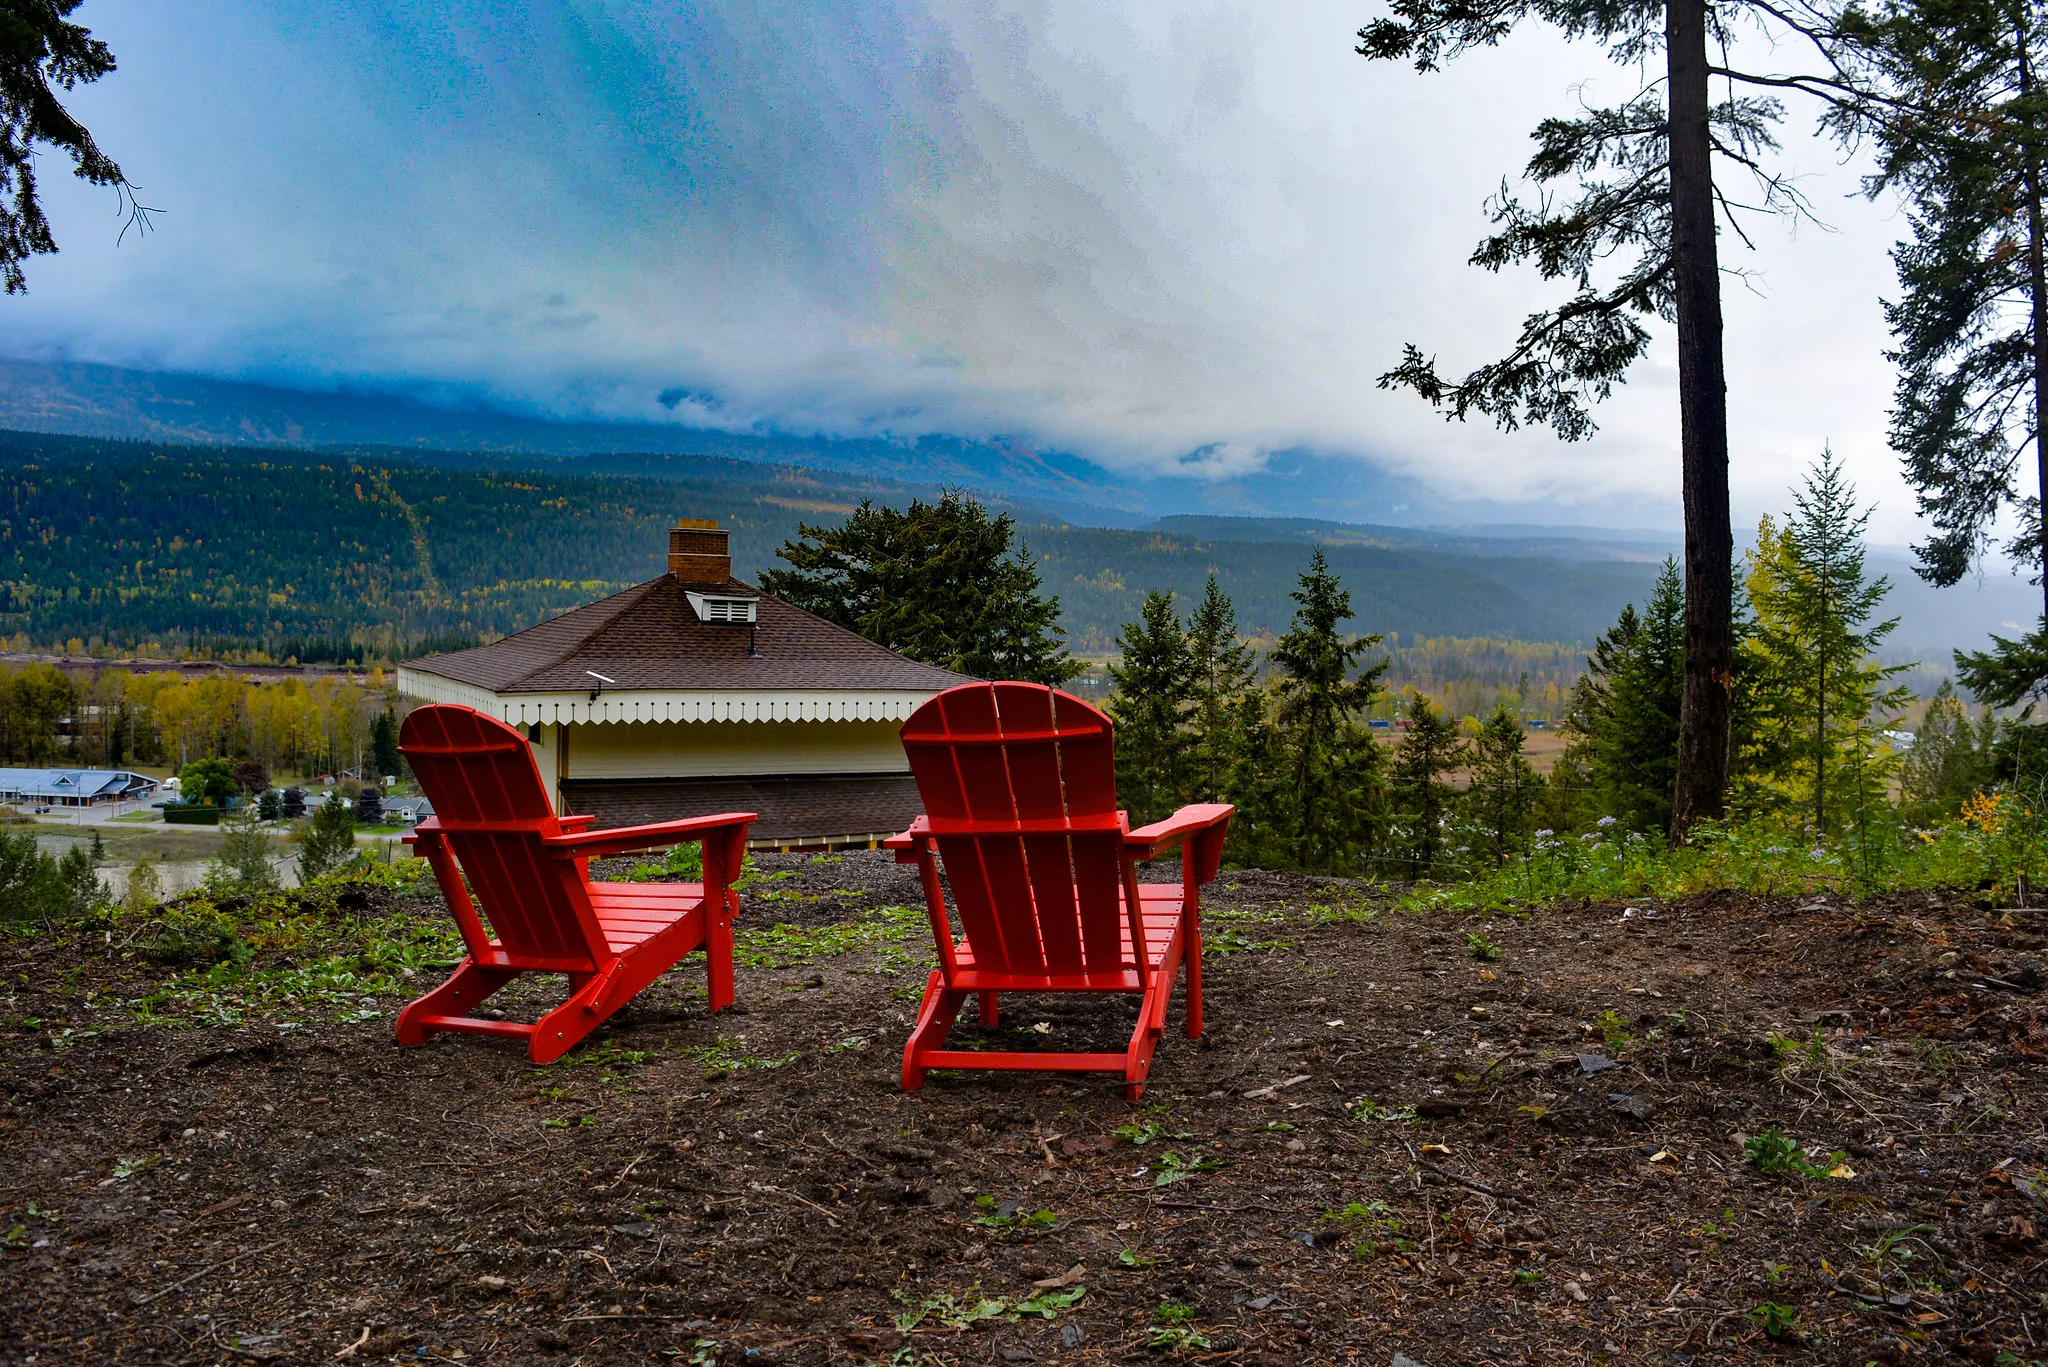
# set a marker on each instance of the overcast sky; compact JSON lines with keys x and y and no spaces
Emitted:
{"x":1157,"y":235}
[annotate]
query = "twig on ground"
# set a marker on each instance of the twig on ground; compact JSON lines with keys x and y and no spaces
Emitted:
{"x":178,"y":1285}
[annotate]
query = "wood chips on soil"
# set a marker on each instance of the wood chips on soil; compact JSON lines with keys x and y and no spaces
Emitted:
{"x":1386,"y":1144}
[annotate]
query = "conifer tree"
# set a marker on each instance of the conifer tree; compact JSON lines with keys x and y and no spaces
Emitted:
{"x":1815,"y":686}
{"x":939,"y":582}
{"x":1261,"y":830}
{"x":145,"y":889}
{"x":1638,"y":242}
{"x":1624,"y":713}
{"x":384,"y":755}
{"x":1962,"y":144}
{"x":1950,"y":760}
{"x":242,"y":863}
{"x":41,"y":52}
{"x":1422,"y":800}
{"x":1150,"y":706}
{"x":1221,"y":670}
{"x":329,"y":840}
{"x":1335,"y":773}
{"x":1505,"y":786}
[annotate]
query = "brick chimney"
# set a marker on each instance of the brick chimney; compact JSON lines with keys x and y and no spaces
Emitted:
{"x":698,"y":552}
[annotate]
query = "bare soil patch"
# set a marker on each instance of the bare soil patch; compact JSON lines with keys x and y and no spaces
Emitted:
{"x":1384,"y":1144}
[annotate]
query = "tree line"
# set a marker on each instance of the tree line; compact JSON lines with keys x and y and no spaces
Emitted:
{"x":1812,"y":713}
{"x":111,"y":718}
{"x":1948,"y":93}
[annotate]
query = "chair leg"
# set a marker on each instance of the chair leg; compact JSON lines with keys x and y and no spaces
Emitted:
{"x":934,"y":1022}
{"x":989,"y":1014}
{"x":468,"y":986}
{"x":1144,"y":1039}
{"x":1194,"y":980}
{"x":569,"y":1024}
{"x":718,"y":959}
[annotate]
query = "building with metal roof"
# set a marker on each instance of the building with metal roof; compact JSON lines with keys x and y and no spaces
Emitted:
{"x":73,"y":787}
{"x":696,"y":693}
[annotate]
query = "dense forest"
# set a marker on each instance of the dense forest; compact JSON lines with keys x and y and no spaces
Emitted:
{"x":372,"y":554}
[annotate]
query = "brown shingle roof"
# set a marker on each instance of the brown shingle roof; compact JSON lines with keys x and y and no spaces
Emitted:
{"x":649,"y":637}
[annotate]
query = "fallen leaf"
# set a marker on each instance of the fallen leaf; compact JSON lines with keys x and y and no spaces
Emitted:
{"x":1841,"y":1170}
{"x":1663,"y":1156}
{"x":1065,"y":1279}
{"x":1436,"y":1148}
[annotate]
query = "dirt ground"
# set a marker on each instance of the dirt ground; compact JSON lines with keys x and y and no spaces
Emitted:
{"x":1395,"y":1139}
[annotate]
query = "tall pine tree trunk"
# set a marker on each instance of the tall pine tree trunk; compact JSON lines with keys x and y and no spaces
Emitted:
{"x":2037,"y":283}
{"x":1705,"y":706}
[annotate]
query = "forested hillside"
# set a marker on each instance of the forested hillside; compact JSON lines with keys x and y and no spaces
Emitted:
{"x":138,"y":542}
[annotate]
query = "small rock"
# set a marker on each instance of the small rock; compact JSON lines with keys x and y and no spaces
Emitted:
{"x":942,"y":1198}
{"x":1260,"y":1302}
{"x":1019,"y":1355}
{"x":1589,"y":1064}
{"x":1948,"y":960}
{"x":493,"y":1283}
{"x":1403,"y":1360}
{"x":1071,"y":1335}
{"x":1641,"y":1105}
{"x":1575,"y":1291}
{"x":638,"y":1231}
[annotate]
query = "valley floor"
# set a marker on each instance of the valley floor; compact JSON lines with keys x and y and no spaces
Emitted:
{"x":1386,"y":1143}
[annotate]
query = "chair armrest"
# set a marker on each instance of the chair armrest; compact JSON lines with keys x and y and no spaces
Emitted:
{"x":906,"y":844}
{"x":592,"y":844}
{"x":1186,"y":827}
{"x":570,"y":824}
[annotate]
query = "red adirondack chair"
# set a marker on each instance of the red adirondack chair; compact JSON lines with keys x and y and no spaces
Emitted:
{"x":530,"y":872}
{"x":1019,"y":784}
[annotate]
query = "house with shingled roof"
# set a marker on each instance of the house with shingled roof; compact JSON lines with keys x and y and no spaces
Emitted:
{"x":695,"y":693}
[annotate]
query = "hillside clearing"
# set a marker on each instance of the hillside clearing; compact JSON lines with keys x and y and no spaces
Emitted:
{"x":1400,"y":1134}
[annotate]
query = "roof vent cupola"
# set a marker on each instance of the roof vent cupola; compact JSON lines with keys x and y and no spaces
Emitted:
{"x":699,"y":551}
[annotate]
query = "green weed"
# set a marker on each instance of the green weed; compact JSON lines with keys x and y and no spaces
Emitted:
{"x":1776,"y":1154}
{"x":1145,"y":1131}
{"x":1777,"y":1321}
{"x":1343,"y":914}
{"x":1482,"y":947}
{"x":1007,"y":1215}
{"x":1171,"y":1167}
{"x":1614,"y":1031}
{"x":1366,"y":1110}
{"x":885,"y":929}
{"x":1173,"y":1330}
{"x":1372,"y":1222}
{"x":729,"y":1056}
{"x":1937,"y":1059}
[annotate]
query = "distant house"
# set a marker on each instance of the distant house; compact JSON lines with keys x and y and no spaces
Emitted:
{"x":73,"y":787}
{"x":407,"y":811}
{"x":695,"y":693}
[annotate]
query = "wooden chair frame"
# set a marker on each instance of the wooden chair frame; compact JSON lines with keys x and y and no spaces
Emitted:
{"x":1041,"y":918}
{"x":530,"y":871}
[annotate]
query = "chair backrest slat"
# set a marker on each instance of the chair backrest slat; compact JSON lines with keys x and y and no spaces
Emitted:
{"x":486,"y":789}
{"x":1019,"y":783}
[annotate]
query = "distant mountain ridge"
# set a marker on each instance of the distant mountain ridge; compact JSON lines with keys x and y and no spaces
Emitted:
{"x":82,"y":399}
{"x":85,"y":399}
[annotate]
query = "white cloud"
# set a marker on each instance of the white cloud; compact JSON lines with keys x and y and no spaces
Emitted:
{"x":1172,"y":238}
